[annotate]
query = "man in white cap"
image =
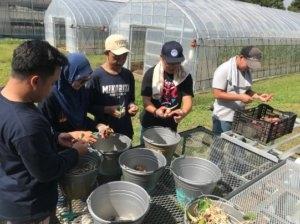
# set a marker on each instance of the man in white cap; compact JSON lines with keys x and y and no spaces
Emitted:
{"x":112,"y":87}
{"x":231,"y":87}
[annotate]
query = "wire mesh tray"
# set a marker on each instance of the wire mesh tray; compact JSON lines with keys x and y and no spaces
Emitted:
{"x":239,"y":167}
{"x":164,"y":207}
{"x":275,"y":198}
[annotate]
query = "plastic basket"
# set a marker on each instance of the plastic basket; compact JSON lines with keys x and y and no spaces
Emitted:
{"x":251,"y":123}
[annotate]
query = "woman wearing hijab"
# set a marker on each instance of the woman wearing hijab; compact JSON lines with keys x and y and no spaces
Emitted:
{"x":68,"y":103}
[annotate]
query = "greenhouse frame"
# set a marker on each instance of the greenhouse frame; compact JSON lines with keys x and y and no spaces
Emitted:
{"x":76,"y":25}
{"x":23,"y":18}
{"x":220,"y":27}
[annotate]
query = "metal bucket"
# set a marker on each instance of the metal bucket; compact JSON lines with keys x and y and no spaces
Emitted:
{"x":118,"y":202}
{"x":163,"y":140}
{"x":193,"y":177}
{"x":142,"y":166}
{"x":79,"y":182}
{"x":230,"y":209}
{"x":111,"y":148}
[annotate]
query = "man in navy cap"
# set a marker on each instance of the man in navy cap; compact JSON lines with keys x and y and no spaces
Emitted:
{"x":167,"y":89}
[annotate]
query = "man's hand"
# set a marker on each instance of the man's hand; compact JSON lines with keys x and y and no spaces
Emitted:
{"x":104,"y":130}
{"x":264,"y":97}
{"x":245,"y":98}
{"x":115,"y":111}
{"x":160,"y":112}
{"x":65,"y":140}
{"x":178,"y":115}
{"x":83,"y":135}
{"x":132,"y":109}
{"x":81,"y":147}
{"x":193,"y":43}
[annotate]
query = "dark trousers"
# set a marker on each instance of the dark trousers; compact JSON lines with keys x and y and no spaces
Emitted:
{"x":47,"y":220}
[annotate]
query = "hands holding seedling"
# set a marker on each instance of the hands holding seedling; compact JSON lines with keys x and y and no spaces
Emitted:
{"x":119,"y":110}
{"x":104,"y":130}
{"x":178,"y":115}
{"x":164,"y":112}
{"x":86,"y":136}
{"x":68,"y":140}
{"x":264,"y":97}
{"x":115,"y":111}
{"x":132,"y":109}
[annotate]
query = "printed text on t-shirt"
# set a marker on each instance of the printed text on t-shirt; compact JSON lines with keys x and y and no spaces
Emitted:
{"x":115,"y":90}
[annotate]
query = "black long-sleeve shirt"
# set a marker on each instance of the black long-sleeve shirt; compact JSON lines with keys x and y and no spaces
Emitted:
{"x":54,"y":113}
{"x":29,"y":162}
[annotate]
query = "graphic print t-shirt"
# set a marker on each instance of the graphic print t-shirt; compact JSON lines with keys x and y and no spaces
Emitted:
{"x":171,"y":98}
{"x":113,"y":90}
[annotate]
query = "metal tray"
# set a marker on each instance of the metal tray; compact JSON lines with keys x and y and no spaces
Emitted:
{"x":275,"y":198}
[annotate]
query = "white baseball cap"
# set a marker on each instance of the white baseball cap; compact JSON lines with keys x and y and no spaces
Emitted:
{"x":117,"y":44}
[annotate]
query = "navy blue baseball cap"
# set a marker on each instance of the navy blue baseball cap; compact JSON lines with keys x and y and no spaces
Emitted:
{"x":172,"y":52}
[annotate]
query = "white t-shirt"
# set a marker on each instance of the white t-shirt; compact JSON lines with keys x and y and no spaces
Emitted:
{"x":227,"y":77}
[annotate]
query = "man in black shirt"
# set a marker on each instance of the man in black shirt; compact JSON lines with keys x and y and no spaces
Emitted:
{"x":30,"y":163}
{"x":167,"y":89}
{"x":112,"y":87}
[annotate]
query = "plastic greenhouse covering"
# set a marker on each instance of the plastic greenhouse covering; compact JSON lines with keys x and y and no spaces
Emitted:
{"x":77,"y":25}
{"x":220,"y":27}
{"x":22,"y":18}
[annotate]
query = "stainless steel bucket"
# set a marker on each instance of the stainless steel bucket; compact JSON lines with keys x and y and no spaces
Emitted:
{"x":193,"y":177}
{"x":142,"y":166}
{"x":118,"y":202}
{"x":162,"y":139}
{"x":111,"y":148}
{"x":79,"y":182}
{"x":230,"y":209}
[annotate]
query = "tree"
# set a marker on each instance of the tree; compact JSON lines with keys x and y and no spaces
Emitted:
{"x":278,"y":4}
{"x":295,"y":6}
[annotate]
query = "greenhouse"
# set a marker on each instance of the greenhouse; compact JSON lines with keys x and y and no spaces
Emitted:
{"x":23,"y":18}
{"x":76,"y":25}
{"x":220,"y":27}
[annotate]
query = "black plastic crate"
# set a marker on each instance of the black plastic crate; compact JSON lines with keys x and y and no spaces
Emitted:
{"x":252,"y":123}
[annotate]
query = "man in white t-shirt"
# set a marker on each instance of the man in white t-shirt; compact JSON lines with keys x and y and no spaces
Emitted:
{"x":231,"y":85}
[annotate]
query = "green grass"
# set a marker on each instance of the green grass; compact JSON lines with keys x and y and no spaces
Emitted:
{"x":96,"y":60}
{"x":6,"y":49}
{"x":286,"y":90}
{"x":8,"y":45}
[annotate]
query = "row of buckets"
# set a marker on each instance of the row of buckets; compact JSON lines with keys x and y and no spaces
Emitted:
{"x":128,"y":201}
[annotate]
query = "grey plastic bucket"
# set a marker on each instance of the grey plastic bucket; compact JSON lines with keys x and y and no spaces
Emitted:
{"x":230,"y":209}
{"x":142,"y":166}
{"x":162,"y":139}
{"x":111,"y":148}
{"x":118,"y":202}
{"x":80,"y":185}
{"x":193,"y":177}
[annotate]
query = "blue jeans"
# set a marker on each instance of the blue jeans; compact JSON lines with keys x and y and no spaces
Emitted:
{"x":220,"y":126}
